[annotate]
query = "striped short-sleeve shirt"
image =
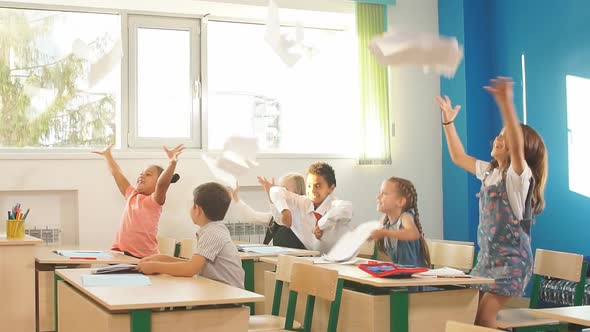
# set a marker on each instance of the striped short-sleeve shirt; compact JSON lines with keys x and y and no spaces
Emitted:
{"x":223,"y":261}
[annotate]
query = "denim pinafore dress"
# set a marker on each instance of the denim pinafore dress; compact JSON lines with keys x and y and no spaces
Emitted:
{"x":403,"y":252}
{"x":505,"y":243}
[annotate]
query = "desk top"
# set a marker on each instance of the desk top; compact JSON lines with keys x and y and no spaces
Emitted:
{"x":351,"y":272}
{"x":576,"y":315}
{"x":45,"y":255}
{"x":165,"y":291}
{"x":27,"y":240}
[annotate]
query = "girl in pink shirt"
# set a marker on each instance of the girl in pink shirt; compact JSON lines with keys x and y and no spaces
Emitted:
{"x":139,"y":224}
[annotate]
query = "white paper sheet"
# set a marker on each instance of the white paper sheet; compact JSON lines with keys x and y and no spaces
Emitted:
{"x":238,"y":157}
{"x":349,"y":244}
{"x":289,"y":48}
{"x":443,"y":272}
{"x":440,"y":54}
{"x":103,"y":66}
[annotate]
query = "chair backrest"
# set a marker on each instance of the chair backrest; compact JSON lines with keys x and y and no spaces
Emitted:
{"x":187,"y":247}
{"x":453,"y":326}
{"x":455,"y":254}
{"x":559,"y":265}
{"x":368,"y":250}
{"x":314,"y":281}
{"x":284,"y":268}
{"x":166,"y":245}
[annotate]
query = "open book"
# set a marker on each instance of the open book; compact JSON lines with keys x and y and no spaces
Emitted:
{"x":118,"y":268}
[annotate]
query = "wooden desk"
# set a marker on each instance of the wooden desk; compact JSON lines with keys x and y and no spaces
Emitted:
{"x":429,"y":310}
{"x":17,"y":277}
{"x":254,"y":270}
{"x":215,"y":306}
{"x":577,"y":314}
{"x":46,"y":262}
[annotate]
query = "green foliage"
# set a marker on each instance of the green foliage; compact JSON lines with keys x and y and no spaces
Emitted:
{"x":72,"y":118}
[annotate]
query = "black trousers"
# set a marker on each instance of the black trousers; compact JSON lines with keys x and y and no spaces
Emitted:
{"x":282,"y":236}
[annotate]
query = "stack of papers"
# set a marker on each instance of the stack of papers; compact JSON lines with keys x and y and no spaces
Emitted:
{"x":118,"y":268}
{"x":264,"y":249}
{"x":83,"y":253}
{"x":444,"y":272}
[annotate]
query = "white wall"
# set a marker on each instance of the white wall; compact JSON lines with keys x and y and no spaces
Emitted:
{"x":416,"y":156}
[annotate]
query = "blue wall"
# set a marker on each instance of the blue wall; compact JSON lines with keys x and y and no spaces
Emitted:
{"x":555,"y":38}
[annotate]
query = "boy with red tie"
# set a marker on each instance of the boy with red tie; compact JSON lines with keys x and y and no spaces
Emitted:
{"x":318,"y":219}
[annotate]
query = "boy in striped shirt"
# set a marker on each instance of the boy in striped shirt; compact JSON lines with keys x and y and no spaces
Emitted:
{"x":215,"y":256}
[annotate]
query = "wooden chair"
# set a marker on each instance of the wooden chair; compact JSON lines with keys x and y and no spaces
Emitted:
{"x":368,"y":250}
{"x":187,"y":247}
{"x":314,"y":281}
{"x":454,"y":254}
{"x":453,"y":326}
{"x":166,"y":245}
{"x":554,"y":264}
{"x":274,"y":321}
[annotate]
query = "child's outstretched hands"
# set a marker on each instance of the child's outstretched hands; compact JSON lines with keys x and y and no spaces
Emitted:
{"x":265,"y":183}
{"x":235,"y":193}
{"x":106,"y":151}
{"x":174,"y":152}
{"x":502,"y":88}
{"x":448,"y":111}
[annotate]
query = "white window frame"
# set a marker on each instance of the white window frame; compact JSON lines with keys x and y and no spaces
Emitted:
{"x":192,"y":25}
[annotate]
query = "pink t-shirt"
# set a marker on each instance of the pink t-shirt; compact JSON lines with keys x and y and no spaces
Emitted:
{"x":139,"y":225}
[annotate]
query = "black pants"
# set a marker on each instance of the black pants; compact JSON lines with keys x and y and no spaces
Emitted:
{"x":282,"y":236}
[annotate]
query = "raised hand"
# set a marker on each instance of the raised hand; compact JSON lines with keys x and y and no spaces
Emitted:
{"x":502,"y":88}
{"x":265,"y":183}
{"x":106,"y":151}
{"x":174,"y":152}
{"x":235,"y":193}
{"x":448,"y":111}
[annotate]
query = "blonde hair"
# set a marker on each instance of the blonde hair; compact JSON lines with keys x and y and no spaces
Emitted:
{"x":408,"y":191}
{"x":299,"y":182}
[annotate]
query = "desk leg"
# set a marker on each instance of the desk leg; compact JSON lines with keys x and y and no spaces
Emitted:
{"x":248,"y":266}
{"x":398,"y":310}
{"x":141,"y":320}
{"x":56,"y":278}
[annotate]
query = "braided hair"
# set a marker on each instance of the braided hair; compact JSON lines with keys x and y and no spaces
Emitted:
{"x":408,"y":191}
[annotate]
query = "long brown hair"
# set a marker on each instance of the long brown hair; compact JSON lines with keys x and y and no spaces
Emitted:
{"x":535,"y":155}
{"x":408,"y":191}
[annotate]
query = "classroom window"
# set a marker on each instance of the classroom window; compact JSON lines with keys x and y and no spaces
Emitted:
{"x":164,"y":81}
{"x":311,"y":107}
{"x":578,"y":118}
{"x":59,"y":81}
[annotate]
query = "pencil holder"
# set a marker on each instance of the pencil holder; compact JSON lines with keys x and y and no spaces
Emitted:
{"x":15,"y":229}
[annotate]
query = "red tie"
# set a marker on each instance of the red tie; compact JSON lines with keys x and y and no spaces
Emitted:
{"x":317,"y":217}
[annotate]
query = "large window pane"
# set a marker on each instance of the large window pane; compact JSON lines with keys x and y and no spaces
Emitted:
{"x":311,"y":107}
{"x":578,"y":125}
{"x":59,"y":78}
{"x":164,"y":87}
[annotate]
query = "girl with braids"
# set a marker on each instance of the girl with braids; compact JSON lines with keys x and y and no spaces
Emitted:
{"x":511,"y":194}
{"x":401,"y":237}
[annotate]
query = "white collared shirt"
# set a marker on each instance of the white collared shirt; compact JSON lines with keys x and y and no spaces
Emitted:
{"x":336,"y":216}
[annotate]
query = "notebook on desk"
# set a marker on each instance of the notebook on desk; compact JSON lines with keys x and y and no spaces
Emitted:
{"x":118,"y":268}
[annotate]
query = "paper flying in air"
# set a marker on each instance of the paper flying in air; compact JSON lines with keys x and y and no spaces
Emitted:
{"x":439,"y":54}
{"x":288,"y":47}
{"x":237,"y":158}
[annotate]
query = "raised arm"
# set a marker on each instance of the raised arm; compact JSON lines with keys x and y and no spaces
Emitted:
{"x":502,"y":88}
{"x":244,"y":211}
{"x":456,"y":150}
{"x":120,"y":179}
{"x":166,"y":176}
